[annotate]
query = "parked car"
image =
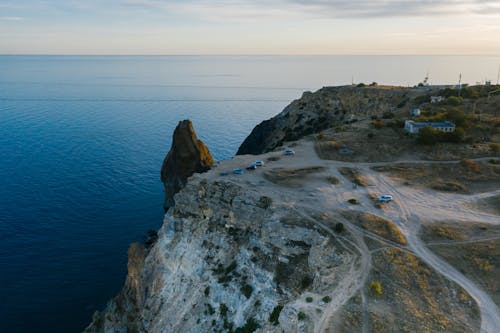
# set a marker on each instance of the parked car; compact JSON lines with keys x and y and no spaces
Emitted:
{"x":259,"y":163}
{"x":288,"y":152}
{"x":238,"y":171}
{"x":251,"y":167}
{"x":385,"y":198}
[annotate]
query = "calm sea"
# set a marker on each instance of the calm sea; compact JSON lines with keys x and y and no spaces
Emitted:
{"x":82,"y":139}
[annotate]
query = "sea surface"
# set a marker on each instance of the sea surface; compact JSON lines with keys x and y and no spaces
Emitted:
{"x":82,"y":139}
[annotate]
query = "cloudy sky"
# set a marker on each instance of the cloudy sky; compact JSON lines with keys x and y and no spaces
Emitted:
{"x":250,"y":27}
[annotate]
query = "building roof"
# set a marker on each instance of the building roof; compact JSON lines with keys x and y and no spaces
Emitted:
{"x":431,"y":124}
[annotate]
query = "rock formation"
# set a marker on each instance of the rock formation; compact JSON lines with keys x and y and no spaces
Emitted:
{"x":326,"y":108}
{"x":187,"y":155}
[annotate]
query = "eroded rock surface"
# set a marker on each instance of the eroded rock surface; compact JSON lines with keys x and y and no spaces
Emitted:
{"x":325,"y":108}
{"x":187,"y":155}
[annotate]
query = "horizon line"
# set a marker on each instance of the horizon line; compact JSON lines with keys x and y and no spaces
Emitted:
{"x":243,"y":55}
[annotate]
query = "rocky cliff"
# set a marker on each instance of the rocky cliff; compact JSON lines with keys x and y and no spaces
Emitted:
{"x":187,"y":155}
{"x":293,"y":246}
{"x":325,"y":108}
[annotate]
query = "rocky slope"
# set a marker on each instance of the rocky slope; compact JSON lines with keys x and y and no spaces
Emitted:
{"x":325,"y":108}
{"x":285,"y":248}
{"x":187,"y":155}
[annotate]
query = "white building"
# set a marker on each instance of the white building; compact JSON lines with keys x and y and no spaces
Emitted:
{"x":415,"y":112}
{"x":437,"y":99}
{"x":414,"y":126}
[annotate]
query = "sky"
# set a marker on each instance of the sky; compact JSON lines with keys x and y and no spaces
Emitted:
{"x":451,"y":27}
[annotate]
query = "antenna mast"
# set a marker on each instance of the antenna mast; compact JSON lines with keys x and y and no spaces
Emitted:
{"x":459,"y":84}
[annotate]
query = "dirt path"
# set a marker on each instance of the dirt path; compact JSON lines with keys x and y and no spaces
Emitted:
{"x":409,"y":208}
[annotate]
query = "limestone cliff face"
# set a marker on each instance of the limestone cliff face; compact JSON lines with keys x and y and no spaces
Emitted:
{"x":225,"y":259}
{"x":187,"y":155}
{"x":326,"y":108}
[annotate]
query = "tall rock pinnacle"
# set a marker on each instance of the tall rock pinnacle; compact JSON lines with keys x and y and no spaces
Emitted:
{"x":186,"y":156}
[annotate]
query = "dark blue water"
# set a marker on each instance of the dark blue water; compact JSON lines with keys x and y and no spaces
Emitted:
{"x":82,"y":140}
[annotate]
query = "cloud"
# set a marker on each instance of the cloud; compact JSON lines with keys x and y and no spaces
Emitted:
{"x":322,"y":9}
{"x":10,"y":18}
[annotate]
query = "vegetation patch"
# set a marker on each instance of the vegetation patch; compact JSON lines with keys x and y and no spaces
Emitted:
{"x":291,"y":177}
{"x":333,"y":180}
{"x":378,"y":225}
{"x":353,"y":201}
{"x":275,"y":315}
{"x":301,"y":316}
{"x":354,"y":175}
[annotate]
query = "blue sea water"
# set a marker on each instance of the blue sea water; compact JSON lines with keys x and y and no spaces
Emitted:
{"x":82,"y":139}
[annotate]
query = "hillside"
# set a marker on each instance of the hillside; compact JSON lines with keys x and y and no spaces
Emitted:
{"x":301,"y":244}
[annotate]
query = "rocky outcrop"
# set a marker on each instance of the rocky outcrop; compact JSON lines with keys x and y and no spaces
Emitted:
{"x":326,"y":108}
{"x":187,"y":155}
{"x":126,"y":307}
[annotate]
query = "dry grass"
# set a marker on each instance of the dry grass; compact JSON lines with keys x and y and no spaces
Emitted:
{"x":464,"y":177}
{"x":354,"y":175}
{"x":479,"y":260}
{"x":378,"y":225}
{"x":490,"y":205}
{"x":291,"y":177}
{"x":416,"y":298}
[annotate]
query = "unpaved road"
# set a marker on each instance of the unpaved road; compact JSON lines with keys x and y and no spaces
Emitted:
{"x":409,"y":208}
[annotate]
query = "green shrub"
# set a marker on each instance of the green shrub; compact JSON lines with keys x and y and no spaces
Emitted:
{"x":223,"y":310}
{"x":301,"y":315}
{"x":361,"y":85}
{"x":388,"y":115}
{"x":250,"y":326}
{"x":454,"y":100}
{"x":353,"y":201}
{"x":326,"y":299}
{"x":428,"y":136}
{"x":274,"y":316}
{"x":247,"y":290}
{"x":339,"y":227}
{"x":309,"y":299}
{"x":265,"y":202}
{"x":207,"y":291}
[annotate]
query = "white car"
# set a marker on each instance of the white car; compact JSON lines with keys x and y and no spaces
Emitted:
{"x":258,"y":163}
{"x":385,"y":198}
{"x":289,"y":152}
{"x":238,"y":171}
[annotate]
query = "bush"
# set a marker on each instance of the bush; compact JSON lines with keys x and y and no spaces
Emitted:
{"x":353,"y":201}
{"x":223,"y":310}
{"x":422,"y":99}
{"x":301,"y":315}
{"x":247,"y":290}
{"x":470,"y":165}
{"x":454,"y":100}
{"x":265,"y":202}
{"x":495,"y":147}
{"x":373,"y":84}
{"x":376,"y":287}
{"x":361,"y":85}
{"x":428,"y":136}
{"x":339,"y":227}
{"x":378,"y":124}
{"x":326,"y":299}
{"x":207,"y":291}
{"x":309,"y":299}
{"x":388,"y":115}
{"x":370,"y":135}
{"x":275,"y":315}
{"x":250,"y":326}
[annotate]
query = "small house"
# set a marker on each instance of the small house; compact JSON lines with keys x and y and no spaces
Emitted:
{"x":414,"y":126}
{"x":437,"y":99}
{"x":415,"y":112}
